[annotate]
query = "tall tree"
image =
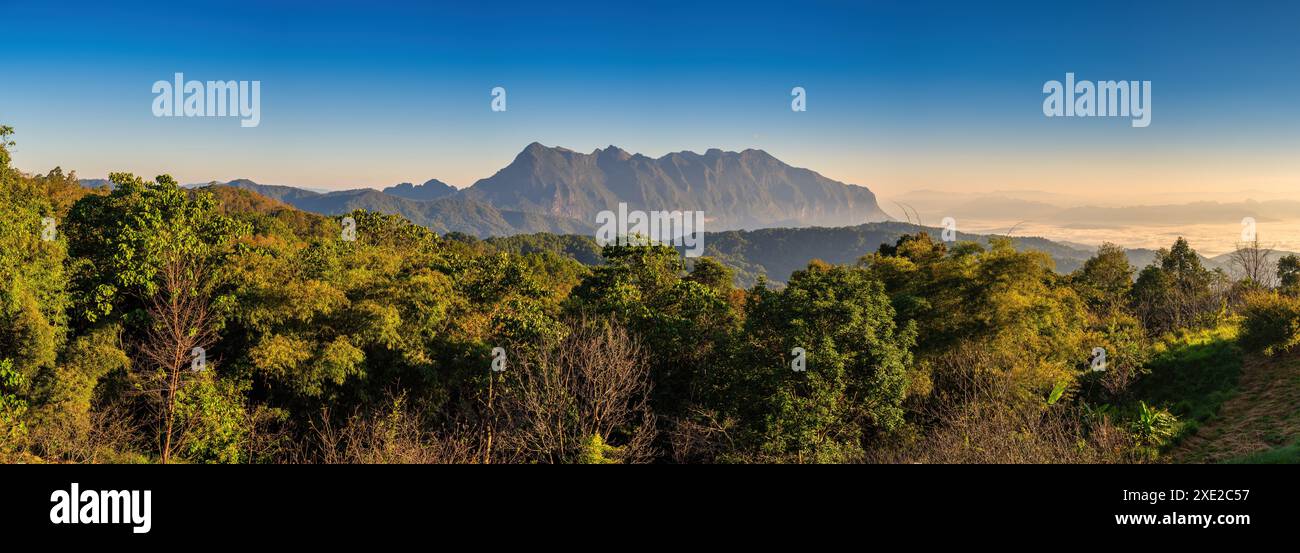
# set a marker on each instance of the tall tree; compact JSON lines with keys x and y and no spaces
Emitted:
{"x":1288,"y":273}
{"x":828,"y":400}
{"x":1177,"y":291}
{"x":1105,"y":279}
{"x":156,"y":256}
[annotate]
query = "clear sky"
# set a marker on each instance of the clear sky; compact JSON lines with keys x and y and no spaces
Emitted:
{"x":901,"y":95}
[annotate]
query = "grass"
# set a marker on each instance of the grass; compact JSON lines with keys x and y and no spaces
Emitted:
{"x":1193,"y":374}
{"x":1286,"y":455}
{"x":1234,"y":407}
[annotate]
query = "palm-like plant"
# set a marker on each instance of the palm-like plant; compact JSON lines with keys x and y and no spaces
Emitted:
{"x":1153,"y":426}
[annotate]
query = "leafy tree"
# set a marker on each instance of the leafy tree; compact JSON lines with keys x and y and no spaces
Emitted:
{"x":13,"y":408}
{"x":65,"y":396}
{"x":1008,"y":303}
{"x":856,"y":361}
{"x":1127,"y":351}
{"x":1177,"y":291}
{"x":33,"y":289}
{"x":6,"y":142}
{"x":33,"y":283}
{"x":154,"y":256}
{"x":214,"y":422}
{"x":1105,"y":279}
{"x":687,"y":324}
{"x":125,"y":240}
{"x":709,"y":272}
{"x":1271,"y":323}
{"x":1105,"y":282}
{"x":1288,"y":274}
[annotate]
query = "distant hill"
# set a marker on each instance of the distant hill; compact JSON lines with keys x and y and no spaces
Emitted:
{"x":96,"y":183}
{"x":430,"y":190}
{"x":1225,"y":262}
{"x":735,"y":190}
{"x":776,"y":253}
{"x":447,"y":214}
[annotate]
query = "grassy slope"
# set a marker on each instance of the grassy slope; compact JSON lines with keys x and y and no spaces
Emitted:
{"x":1193,"y":375}
{"x":1261,"y":424}
{"x":1235,"y":406}
{"x":1285,"y":455}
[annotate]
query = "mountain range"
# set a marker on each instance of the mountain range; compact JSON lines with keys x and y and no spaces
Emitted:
{"x":735,"y":190}
{"x":557,"y":190}
{"x":447,"y":213}
{"x":430,"y":190}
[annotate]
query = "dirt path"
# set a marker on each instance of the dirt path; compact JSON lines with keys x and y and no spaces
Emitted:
{"x":1264,"y":414}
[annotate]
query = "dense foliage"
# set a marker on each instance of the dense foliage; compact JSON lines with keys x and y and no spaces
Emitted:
{"x":160,"y":324}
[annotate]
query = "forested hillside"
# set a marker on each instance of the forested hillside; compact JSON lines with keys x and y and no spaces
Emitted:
{"x":153,"y":323}
{"x":774,"y":254}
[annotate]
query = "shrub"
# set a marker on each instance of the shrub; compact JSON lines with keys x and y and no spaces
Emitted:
{"x":1152,"y":428}
{"x":13,"y":431}
{"x":1272,"y":323}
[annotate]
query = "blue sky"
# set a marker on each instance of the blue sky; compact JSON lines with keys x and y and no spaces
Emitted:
{"x":901,"y":95}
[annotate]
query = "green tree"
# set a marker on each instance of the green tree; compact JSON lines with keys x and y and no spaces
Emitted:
{"x":33,"y":295}
{"x":686,"y":323}
{"x":855,"y":377}
{"x":13,"y":408}
{"x":1105,"y":279}
{"x":1177,"y":291}
{"x":214,"y":419}
{"x":154,"y":256}
{"x":1009,"y":304}
{"x":1271,"y":323}
{"x":713,"y":274}
{"x":1288,"y":274}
